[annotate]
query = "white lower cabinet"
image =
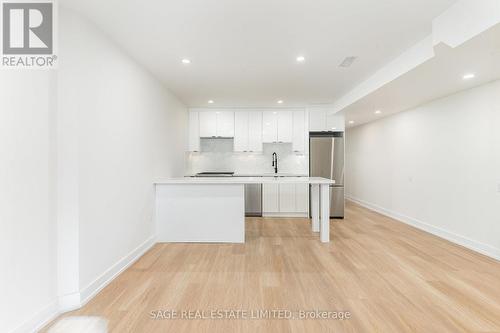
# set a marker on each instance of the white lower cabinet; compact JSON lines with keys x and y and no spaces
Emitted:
{"x":302,"y":198}
{"x":270,"y":198}
{"x":285,"y":199}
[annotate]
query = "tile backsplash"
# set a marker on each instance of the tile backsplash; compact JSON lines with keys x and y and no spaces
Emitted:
{"x":218,"y":155}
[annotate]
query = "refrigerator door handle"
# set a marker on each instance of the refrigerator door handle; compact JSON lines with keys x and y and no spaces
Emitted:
{"x":332,"y":156}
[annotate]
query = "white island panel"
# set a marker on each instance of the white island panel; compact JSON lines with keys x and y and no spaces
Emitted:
{"x":195,"y":209}
{"x":200,"y":213}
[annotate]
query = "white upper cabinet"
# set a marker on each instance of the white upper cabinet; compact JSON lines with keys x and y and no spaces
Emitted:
{"x":255,"y":131}
{"x":285,"y":126}
{"x":208,"y":124}
{"x":250,"y":128}
{"x":241,"y":126}
{"x":216,"y":124}
{"x":335,"y":122}
{"x":248,"y":131}
{"x":317,"y":119}
{"x":321,"y":121}
{"x":225,"y":124}
{"x":269,"y":126}
{"x":194,"y":131}
{"x":277,"y":126}
{"x":299,"y":131}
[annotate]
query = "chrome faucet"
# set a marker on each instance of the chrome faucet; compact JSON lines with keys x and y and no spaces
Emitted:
{"x":275,"y":162}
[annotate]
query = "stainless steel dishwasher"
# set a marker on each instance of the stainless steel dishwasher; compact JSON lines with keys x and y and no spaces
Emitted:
{"x":253,"y":200}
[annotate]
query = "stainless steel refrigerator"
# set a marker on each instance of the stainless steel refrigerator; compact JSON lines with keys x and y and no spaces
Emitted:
{"x":326,"y":159}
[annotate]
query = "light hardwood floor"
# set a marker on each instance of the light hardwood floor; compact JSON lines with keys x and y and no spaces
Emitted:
{"x":389,"y":276}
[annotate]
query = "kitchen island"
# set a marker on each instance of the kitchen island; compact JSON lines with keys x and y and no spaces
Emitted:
{"x":192,"y":209}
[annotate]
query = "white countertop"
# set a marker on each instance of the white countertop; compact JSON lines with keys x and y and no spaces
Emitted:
{"x":269,"y":174}
{"x":279,"y":174}
{"x":245,"y":180}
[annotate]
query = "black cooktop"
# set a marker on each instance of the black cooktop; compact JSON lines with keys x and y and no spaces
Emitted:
{"x":215,"y":174}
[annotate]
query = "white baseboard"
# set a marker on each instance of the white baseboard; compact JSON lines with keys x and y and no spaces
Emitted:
{"x":39,"y":319}
{"x":69,"y":302}
{"x":102,"y":281}
{"x":74,"y":301}
{"x":471,"y":244}
{"x":285,"y":215}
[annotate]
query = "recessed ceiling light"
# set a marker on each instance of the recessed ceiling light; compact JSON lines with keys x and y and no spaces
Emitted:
{"x":280,"y":102}
{"x":469,"y":76}
{"x":186,"y":61}
{"x":210,"y":101}
{"x":301,"y":59}
{"x":351,"y":122}
{"x":334,"y":128}
{"x":275,"y":112}
{"x":378,"y":112}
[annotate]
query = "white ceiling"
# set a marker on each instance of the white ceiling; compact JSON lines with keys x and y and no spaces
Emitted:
{"x":243,"y":51}
{"x":440,"y":76}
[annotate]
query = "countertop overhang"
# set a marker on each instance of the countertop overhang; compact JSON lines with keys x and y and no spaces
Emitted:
{"x":246,"y":180}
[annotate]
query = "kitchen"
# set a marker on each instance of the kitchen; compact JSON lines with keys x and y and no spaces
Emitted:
{"x":237,"y":145}
{"x":245,"y":146}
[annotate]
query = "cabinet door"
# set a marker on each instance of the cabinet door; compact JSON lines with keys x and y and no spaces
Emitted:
{"x":302,"y":198}
{"x":306,"y":132}
{"x":225,"y":124}
{"x":287,"y":198}
{"x":285,"y":126}
{"x":255,"y":131}
{"x":241,"y":134}
{"x":270,"y":198}
{"x":269,"y":126}
{"x":317,"y":119}
{"x":208,"y":124}
{"x":335,"y":122}
{"x":194,"y":131}
{"x":299,"y":131}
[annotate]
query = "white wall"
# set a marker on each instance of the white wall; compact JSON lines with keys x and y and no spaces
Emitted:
{"x":79,"y":149}
{"x":27,"y":220}
{"x":130,"y":130}
{"x":437,"y":167}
